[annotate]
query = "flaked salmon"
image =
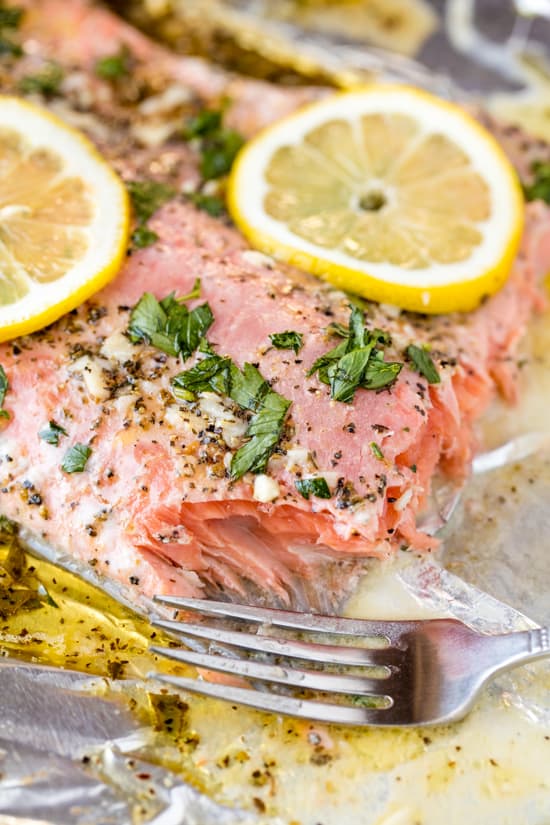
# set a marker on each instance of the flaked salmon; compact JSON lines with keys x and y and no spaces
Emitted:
{"x":109,"y":459}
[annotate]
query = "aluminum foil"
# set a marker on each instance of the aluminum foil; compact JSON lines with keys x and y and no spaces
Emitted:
{"x":73,"y":750}
{"x":69,"y":756}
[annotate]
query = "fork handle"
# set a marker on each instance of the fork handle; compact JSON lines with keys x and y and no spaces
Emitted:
{"x":525,"y":646}
{"x":539,"y":642}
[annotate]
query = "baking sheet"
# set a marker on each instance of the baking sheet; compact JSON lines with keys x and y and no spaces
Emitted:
{"x":87,"y":748}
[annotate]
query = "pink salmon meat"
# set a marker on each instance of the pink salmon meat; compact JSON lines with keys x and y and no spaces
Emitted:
{"x":155,"y":506}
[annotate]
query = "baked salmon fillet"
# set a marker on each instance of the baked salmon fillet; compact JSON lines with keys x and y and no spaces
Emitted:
{"x":110,"y":458}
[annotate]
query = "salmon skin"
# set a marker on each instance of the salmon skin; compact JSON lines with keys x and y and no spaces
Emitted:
{"x":155,"y":506}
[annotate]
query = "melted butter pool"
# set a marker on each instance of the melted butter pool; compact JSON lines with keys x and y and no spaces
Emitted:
{"x":492,"y":768}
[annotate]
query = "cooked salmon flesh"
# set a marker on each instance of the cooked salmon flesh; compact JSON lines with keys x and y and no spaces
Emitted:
{"x":161,"y":434}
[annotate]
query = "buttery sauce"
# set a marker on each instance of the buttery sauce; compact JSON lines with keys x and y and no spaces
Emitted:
{"x":298,"y":771}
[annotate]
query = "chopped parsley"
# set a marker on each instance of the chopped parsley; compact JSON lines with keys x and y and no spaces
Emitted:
{"x":168,"y":324}
{"x":250,"y":391}
{"x":264,"y":431}
{"x":147,"y":197}
{"x":52,"y":433}
{"x":205,"y":124}
{"x":287,"y":340}
{"x":114,"y":66}
{"x":376,"y":451}
{"x":76,"y":458}
{"x":338,"y":329}
{"x":10,"y":16}
{"x":46,"y":82}
{"x":10,"y":19}
{"x":423,"y":363}
{"x":218,"y":144}
{"x":357,"y":361}
{"x":194,"y":293}
{"x":317,"y":487}
{"x":219,"y":152}
{"x":142,"y":237}
{"x":211,"y":204}
{"x":539,"y":189}
{"x":4,"y":386}
{"x":212,"y":374}
{"x":7,"y":46}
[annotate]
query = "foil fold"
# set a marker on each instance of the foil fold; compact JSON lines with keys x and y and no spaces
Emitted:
{"x":68,"y":757}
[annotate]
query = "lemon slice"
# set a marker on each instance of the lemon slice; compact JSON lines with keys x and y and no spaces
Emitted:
{"x":64,"y":218}
{"x":387,"y":192}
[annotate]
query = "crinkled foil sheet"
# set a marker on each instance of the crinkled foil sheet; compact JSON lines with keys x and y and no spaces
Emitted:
{"x":74,"y":751}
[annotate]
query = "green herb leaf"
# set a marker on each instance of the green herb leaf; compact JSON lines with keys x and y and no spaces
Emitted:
{"x":146,"y":320}
{"x":539,"y":189}
{"x":209,"y":375}
{"x":218,"y":149}
{"x":4,"y":385}
{"x":317,"y":487}
{"x":206,"y":123}
{"x":168,"y":325}
{"x":10,"y":17}
{"x":423,"y":363}
{"x":211,"y":204}
{"x":264,"y":431}
{"x":219,"y":152}
{"x":194,"y":328}
{"x":143,"y":237}
{"x":52,"y":433}
{"x":76,"y":458}
{"x":376,"y":451}
{"x":358,"y":336}
{"x":195,"y":292}
{"x":8,"y":47}
{"x":380,"y":373}
{"x":114,"y":66}
{"x":147,"y":197}
{"x":338,"y":329}
{"x":357,"y":361}
{"x":287,"y":340}
{"x":346,"y":374}
{"x":367,"y":701}
{"x":249,"y":388}
{"x":324,"y":361}
{"x":46,"y":83}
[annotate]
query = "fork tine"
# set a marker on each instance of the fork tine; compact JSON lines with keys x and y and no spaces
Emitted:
{"x":307,"y":679}
{"x":313,"y":652}
{"x":286,"y":705}
{"x":390,"y":631}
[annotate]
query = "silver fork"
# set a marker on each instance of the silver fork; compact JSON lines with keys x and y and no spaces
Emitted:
{"x":405,"y":673}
